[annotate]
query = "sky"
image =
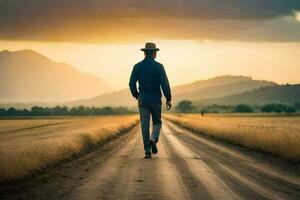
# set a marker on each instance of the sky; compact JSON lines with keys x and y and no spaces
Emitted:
{"x":199,"y":39}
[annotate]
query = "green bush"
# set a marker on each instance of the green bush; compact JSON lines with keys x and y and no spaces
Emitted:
{"x":278,"y":108}
{"x":185,"y":107}
{"x":243,"y":108}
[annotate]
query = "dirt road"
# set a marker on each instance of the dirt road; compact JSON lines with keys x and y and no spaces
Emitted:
{"x":188,"y":166}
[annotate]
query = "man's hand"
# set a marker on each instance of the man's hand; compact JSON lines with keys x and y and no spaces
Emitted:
{"x":168,"y":105}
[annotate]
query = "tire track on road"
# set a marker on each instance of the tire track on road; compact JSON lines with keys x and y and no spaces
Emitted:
{"x":107,"y":178}
{"x":216,"y":188}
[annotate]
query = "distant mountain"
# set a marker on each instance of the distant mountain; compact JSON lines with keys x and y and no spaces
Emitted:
{"x":26,"y":76}
{"x":285,"y":94}
{"x":218,"y":87}
{"x":204,"y":89}
{"x":209,"y":83}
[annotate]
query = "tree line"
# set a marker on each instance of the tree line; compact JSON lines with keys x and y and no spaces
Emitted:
{"x":189,"y":107}
{"x":64,"y":111}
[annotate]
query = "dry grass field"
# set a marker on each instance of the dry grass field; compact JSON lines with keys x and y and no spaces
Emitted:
{"x":279,"y":135}
{"x":31,"y":144}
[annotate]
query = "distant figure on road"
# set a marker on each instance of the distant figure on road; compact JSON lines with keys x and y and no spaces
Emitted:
{"x":151,"y":76}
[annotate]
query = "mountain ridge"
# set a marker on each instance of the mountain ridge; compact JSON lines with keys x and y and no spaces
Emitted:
{"x":284,"y":94}
{"x":33,"y":77}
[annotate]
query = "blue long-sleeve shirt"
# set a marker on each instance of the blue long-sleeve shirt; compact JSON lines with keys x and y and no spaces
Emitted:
{"x":151,"y":76}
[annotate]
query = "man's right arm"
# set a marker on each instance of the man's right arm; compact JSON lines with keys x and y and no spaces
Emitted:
{"x":132,"y":83}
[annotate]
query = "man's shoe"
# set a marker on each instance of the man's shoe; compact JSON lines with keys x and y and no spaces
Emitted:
{"x":147,"y":156}
{"x":153,"y":147}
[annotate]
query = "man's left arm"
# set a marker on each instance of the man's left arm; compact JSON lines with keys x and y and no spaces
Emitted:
{"x":165,"y":85}
{"x":132,"y":83}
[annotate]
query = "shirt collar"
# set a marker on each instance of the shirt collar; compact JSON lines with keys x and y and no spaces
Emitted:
{"x":149,"y":58}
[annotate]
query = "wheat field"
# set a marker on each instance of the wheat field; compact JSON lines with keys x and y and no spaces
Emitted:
{"x":31,"y":144}
{"x":279,"y":135}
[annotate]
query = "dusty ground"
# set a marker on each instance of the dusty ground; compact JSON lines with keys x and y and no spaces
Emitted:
{"x":188,"y":166}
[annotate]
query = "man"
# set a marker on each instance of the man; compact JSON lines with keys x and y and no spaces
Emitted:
{"x":151,"y":76}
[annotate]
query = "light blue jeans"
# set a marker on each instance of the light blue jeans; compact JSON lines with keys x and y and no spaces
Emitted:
{"x":145,"y":110}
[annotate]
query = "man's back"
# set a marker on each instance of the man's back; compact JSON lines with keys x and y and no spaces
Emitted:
{"x":151,"y":76}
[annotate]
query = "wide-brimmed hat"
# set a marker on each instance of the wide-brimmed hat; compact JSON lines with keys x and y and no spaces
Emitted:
{"x":150,"y":46}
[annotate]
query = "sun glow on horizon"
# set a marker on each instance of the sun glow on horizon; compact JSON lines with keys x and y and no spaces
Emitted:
{"x":185,"y":60}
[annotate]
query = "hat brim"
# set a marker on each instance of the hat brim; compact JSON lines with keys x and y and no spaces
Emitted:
{"x":144,"y":49}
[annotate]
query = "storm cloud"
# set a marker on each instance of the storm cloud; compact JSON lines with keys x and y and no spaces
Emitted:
{"x":130,"y":20}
